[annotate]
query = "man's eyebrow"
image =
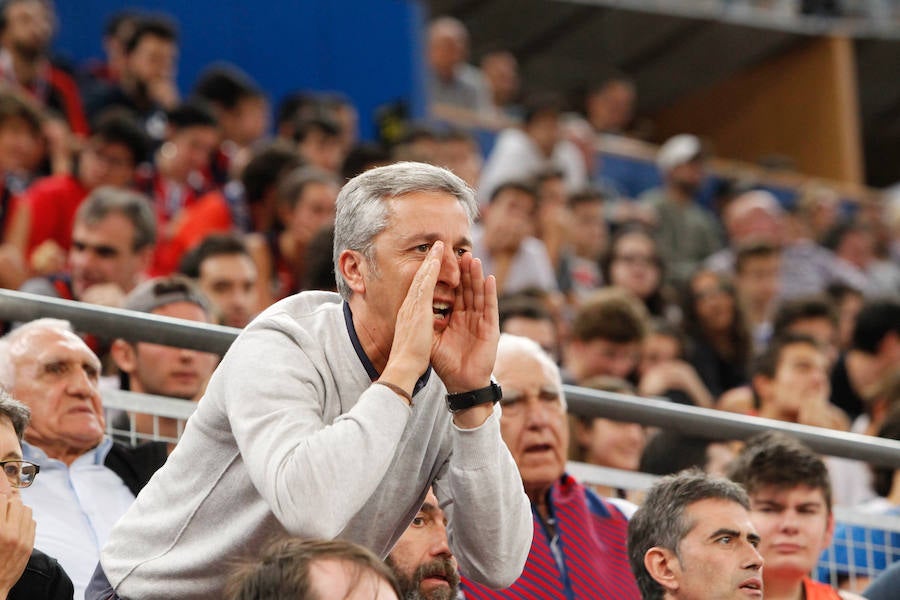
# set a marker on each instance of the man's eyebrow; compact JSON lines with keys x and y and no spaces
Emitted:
{"x":13,"y":456}
{"x":428,"y":507}
{"x":724,"y":531}
{"x":433,"y":237}
{"x":753,"y":538}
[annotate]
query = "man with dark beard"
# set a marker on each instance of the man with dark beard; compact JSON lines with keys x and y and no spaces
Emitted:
{"x":686,"y":233}
{"x":421,"y":560}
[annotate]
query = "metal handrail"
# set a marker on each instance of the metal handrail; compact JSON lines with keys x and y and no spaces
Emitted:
{"x":690,"y":420}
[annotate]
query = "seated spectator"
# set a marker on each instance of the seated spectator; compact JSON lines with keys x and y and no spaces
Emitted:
{"x":578,"y":548}
{"x":854,"y":243}
{"x":28,"y":573}
{"x":579,"y":272}
{"x":257,"y":208}
{"x":667,"y":452}
{"x":609,"y":443}
{"x":632,"y":262}
{"x":664,"y":343}
{"x":693,"y":538}
{"x":609,"y":106}
{"x":318,"y":142}
{"x":527,"y":316}
{"x":458,"y":150}
{"x":308,"y":569}
{"x":521,"y":153}
{"x":790,"y":507}
{"x":421,"y":559}
{"x":109,"y":158}
{"x":146,"y":85}
{"x":225,"y":272}
{"x":87,"y":482}
{"x":814,"y":316}
{"x":607,"y":333}
{"x":506,"y":245}
{"x":117,"y":30}
{"x":179,"y":177}
{"x":686,"y":233}
{"x":716,"y":328}
{"x":501,"y":75}
{"x":451,"y":80}
{"x":553,"y":219}
{"x":112,"y":246}
{"x":847,"y":301}
{"x":20,"y":132}
{"x":164,"y":370}
{"x":306,"y":204}
{"x":756,"y":283}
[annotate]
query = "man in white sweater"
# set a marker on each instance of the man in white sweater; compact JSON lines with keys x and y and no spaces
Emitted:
{"x":328,"y":417}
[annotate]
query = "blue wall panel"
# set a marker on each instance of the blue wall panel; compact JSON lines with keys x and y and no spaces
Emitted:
{"x":370,"y":50}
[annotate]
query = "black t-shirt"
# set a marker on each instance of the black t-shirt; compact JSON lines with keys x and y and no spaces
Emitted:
{"x":43,"y":579}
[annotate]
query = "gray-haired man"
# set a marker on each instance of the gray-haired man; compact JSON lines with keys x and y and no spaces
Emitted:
{"x":328,"y":416}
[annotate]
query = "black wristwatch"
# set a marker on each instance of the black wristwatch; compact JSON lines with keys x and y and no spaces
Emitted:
{"x":464,"y":400}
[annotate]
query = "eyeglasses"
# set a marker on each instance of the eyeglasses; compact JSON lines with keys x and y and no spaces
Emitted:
{"x":20,"y":473}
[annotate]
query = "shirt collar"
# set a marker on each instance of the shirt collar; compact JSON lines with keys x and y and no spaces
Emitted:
{"x":366,"y":363}
{"x":96,"y":455}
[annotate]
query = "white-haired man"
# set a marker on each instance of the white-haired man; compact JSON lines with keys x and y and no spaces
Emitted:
{"x":328,"y":416}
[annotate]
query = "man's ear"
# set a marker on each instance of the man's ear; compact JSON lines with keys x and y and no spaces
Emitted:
{"x":124,"y":355}
{"x":354,"y":268}
{"x":663,"y":567}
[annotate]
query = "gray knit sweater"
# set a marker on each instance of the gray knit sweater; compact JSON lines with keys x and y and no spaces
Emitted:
{"x":292,"y":437}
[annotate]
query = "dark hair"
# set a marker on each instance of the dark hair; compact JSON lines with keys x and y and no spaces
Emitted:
{"x":883,"y":477}
{"x":523,"y":306}
{"x":294,"y":105}
{"x":267,"y":166}
{"x":17,"y":413}
{"x":192,"y":113}
{"x":588,"y":195}
{"x":876,"y":320}
{"x":225,"y":85}
{"x":754,"y":250}
{"x":295,"y":182}
{"x":118,"y":20}
{"x":655,"y":302}
{"x":514,"y":184}
{"x":671,"y":451}
{"x":766,"y":364}
{"x":282,"y":569}
{"x":611,"y":314}
{"x":14,"y":105}
{"x":363,"y":156}
{"x":541,"y":103}
{"x":801,"y":308}
{"x":320,"y":265}
{"x":118,"y":126}
{"x":107,"y":200}
{"x":739,"y":332}
{"x":304,"y":126}
{"x":775,"y":459}
{"x":159,"y":26}
{"x":217,"y":244}
{"x":661,"y":522}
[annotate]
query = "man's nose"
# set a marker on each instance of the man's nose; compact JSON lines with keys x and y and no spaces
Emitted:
{"x":754,"y":559}
{"x":449,"y":274}
{"x":440,"y":546}
{"x":536,"y":413}
{"x":81,"y":384}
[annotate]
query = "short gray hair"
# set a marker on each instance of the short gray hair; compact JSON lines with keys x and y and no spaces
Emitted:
{"x":18,"y":414}
{"x":8,"y":341}
{"x":660,"y":521}
{"x":135,"y":207}
{"x":362,"y":213}
{"x":516,"y":344}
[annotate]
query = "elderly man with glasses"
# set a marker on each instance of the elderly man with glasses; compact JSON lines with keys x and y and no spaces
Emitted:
{"x":25,"y":572}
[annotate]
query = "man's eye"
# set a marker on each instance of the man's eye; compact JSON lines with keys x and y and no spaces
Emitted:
{"x":423,"y":247}
{"x":55,"y":368}
{"x":461,"y":251}
{"x":724,"y":540}
{"x":418,"y":521}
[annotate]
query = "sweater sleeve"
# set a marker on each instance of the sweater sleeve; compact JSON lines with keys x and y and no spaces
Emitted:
{"x":314,"y":469}
{"x":489,"y":515}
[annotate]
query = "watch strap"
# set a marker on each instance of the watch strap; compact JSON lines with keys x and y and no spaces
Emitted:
{"x":463,"y":400}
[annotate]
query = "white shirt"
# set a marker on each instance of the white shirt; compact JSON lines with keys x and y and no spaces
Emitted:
{"x":75,"y":508}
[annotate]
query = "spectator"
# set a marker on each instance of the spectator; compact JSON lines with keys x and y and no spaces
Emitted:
{"x":715,"y":325}
{"x":607,"y":334}
{"x":578,"y":549}
{"x":319,"y":143}
{"x":318,"y":448}
{"x":501,"y":74}
{"x":848,"y":301}
{"x":687,"y":234}
{"x":109,"y":158}
{"x":458,"y":151}
{"x":756,"y":268}
{"x":112,"y":245}
{"x":421,"y":560}
{"x":146,"y":85}
{"x":164,"y":370}
{"x":693,"y":538}
{"x":310,"y":569}
{"x":633,"y":262}
{"x":587,"y":244}
{"x":521,"y":153}
{"x":814,"y":316}
{"x":527,"y":316}
{"x":667,"y":452}
{"x":117,"y":30}
{"x":260,"y":180}
{"x":506,"y":245}
{"x":790,"y":506}
{"x":26,"y":29}
{"x":553,"y":224}
{"x":28,"y":573}
{"x":222,"y":267}
{"x":451,"y":80}
{"x":855,"y":244}
{"x":87,"y":482}
{"x":610,"y":105}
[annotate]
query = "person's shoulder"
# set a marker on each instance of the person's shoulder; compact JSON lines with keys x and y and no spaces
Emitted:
{"x":43,"y":577}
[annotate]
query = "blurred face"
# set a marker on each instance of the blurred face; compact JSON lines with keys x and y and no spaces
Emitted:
{"x":314,"y":211}
{"x":10,"y":449}
{"x":105,"y":163}
{"x":502,"y":73}
{"x":193,"y":148}
{"x":18,"y":144}
{"x":228,"y":281}
{"x":510,"y":216}
{"x":755,"y":224}
{"x":168,"y":370}
{"x":153,"y":59}
{"x":795,"y":525}
{"x":544,"y":131}
{"x":823,"y":331}
{"x":800,"y":378}
{"x":718,"y":558}
{"x":338,"y":579}
{"x":541,"y":331}
{"x":29,"y":25}
{"x":422,"y":560}
{"x":688,"y":177}
{"x":533,"y":424}
{"x":322,"y":150}
{"x":758,"y":281}
{"x":713,"y":303}
{"x":605,"y":357}
{"x":56,"y":375}
{"x":613,"y":444}
{"x":657,"y":349}
{"x":857,"y":248}
{"x":445,"y":51}
{"x":463,"y":158}
{"x":103,"y":252}
{"x":635,"y":265}
{"x":589,"y":233}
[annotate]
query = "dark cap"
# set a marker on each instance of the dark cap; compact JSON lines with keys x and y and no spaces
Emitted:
{"x":162,"y":291}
